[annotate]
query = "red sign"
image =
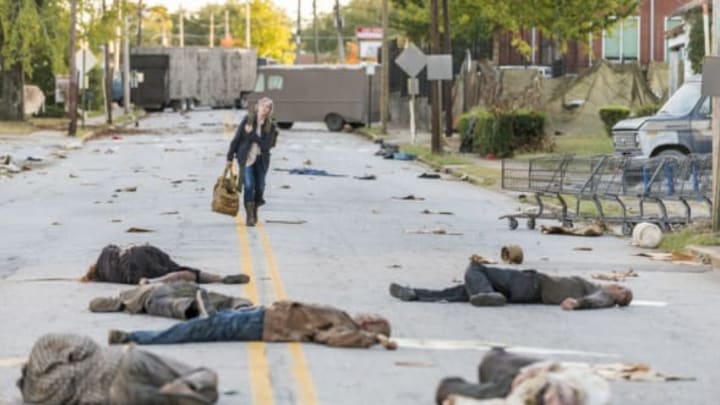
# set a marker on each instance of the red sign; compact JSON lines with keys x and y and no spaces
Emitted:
{"x":368,"y":33}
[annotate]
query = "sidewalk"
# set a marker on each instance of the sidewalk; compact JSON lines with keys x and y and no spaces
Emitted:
{"x":40,"y":148}
{"x":476,"y":166}
{"x":471,"y":172}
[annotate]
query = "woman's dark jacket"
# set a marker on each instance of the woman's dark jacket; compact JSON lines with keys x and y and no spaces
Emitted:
{"x":240,"y":145}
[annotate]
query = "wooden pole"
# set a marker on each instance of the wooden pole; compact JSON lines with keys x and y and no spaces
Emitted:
{"x":435,"y":144}
{"x":73,"y":90}
{"x":715,"y":124}
{"x":447,"y":84}
{"x":385,"y":72}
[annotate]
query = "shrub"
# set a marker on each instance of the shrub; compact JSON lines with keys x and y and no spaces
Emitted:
{"x":646,"y":110}
{"x":501,"y":133}
{"x":612,"y":114}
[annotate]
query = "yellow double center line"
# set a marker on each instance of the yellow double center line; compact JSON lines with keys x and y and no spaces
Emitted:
{"x":258,"y":364}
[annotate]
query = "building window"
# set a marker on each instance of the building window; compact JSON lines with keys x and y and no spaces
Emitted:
{"x":622,"y":41}
{"x":670,"y":23}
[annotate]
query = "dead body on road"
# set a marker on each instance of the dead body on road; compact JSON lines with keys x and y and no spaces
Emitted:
{"x":148,"y":264}
{"x":283,"y":321}
{"x":73,"y":369}
{"x":494,"y":286}
{"x":179,"y":300}
{"x":509,"y":379}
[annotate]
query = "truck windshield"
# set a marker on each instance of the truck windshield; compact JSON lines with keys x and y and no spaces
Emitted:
{"x":683,"y":101}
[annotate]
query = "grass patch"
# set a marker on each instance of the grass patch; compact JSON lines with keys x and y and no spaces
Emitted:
{"x":489,"y":177}
{"x":374,"y":131}
{"x":445,"y":159}
{"x":16,"y":127}
{"x":581,"y":145}
{"x":699,"y":234}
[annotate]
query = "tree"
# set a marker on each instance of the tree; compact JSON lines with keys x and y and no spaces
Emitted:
{"x":29,"y":29}
{"x":696,"y":53}
{"x":563,"y":20}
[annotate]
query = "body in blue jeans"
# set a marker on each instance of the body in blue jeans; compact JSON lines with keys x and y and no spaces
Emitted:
{"x":244,"y":324}
{"x":254,"y":181}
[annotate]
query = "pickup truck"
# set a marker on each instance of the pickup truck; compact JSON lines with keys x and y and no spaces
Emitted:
{"x":680,"y":127}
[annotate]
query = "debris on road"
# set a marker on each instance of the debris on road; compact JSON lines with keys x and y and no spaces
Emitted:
{"x":631,"y":372}
{"x":285,"y":187}
{"x":429,"y":176}
{"x":583,"y":249}
{"x":59,"y":155}
{"x":115,"y":220}
{"x":73,"y":175}
{"x":387,"y":150}
{"x":284,"y":221}
{"x":409,"y":197}
{"x":427,"y":211}
{"x":169,"y":213}
{"x":55,"y":223}
{"x":307,"y":162}
{"x":594,"y":229}
{"x":400,"y":156}
{"x":647,"y":235}
{"x":310,"y":172}
{"x":130,"y":189}
{"x":394,"y":266}
{"x":414,"y":364}
{"x":135,"y":229}
{"x":512,"y":254}
{"x":437,"y":231}
{"x":674,"y":257}
{"x":615,"y":275}
{"x":33,"y":159}
{"x":366,"y":177}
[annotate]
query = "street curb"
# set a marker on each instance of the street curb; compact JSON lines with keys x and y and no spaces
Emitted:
{"x":704,"y":254}
{"x":105,"y":127}
{"x":453,"y":172}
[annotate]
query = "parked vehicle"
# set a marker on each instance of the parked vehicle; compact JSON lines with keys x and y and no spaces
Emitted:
{"x":335,"y":94}
{"x":681,"y":126}
{"x":181,"y":77}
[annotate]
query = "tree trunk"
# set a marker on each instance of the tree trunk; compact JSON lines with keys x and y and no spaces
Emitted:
{"x":11,"y":93}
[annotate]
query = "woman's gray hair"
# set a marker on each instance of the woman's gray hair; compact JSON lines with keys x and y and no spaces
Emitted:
{"x":266,"y":100}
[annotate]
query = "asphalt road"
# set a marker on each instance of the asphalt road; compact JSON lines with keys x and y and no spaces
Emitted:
{"x":355,"y":240}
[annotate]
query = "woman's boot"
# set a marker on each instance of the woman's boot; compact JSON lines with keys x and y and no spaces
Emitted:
{"x":250,"y":212}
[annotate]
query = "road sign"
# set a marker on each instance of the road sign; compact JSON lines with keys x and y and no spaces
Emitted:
{"x":83,"y":67}
{"x":710,"y":74}
{"x":439,"y":67}
{"x":363,"y":33}
{"x":411,"y":60}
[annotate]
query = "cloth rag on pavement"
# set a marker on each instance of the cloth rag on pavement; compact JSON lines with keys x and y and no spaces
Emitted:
{"x":615,"y":275}
{"x":590,"y":230}
{"x":310,"y":172}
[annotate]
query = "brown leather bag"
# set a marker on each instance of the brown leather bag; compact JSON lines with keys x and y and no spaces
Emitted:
{"x":225,"y":194}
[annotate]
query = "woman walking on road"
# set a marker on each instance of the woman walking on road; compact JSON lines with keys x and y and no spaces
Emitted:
{"x":255,"y":136}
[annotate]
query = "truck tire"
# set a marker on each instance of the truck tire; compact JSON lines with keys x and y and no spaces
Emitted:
{"x":672,"y":153}
{"x":285,"y":124}
{"x":334,"y":122}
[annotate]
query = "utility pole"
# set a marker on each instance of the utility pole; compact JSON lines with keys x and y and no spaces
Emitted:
{"x":212,"y":30}
{"x":126,"y":63}
{"x":715,"y":124}
{"x":227,"y":24}
{"x":315,"y":31}
{"x":298,"y":41}
{"x":385,"y":72}
{"x":247,"y":24}
{"x":182,"y":28}
{"x":73,"y":90}
{"x":139,"y":30}
{"x":435,"y":145}
{"x":108,"y":78}
{"x":447,"y":84}
{"x":338,"y":29}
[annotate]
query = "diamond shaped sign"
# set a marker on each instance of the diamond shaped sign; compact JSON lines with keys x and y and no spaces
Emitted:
{"x":411,"y":60}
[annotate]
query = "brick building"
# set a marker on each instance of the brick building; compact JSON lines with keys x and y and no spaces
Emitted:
{"x":638,"y":38}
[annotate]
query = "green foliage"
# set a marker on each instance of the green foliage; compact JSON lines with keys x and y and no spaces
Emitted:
{"x":565,"y":20}
{"x":502,"y":133}
{"x":696,"y":53}
{"x":611,"y":115}
{"x":646,"y":110}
